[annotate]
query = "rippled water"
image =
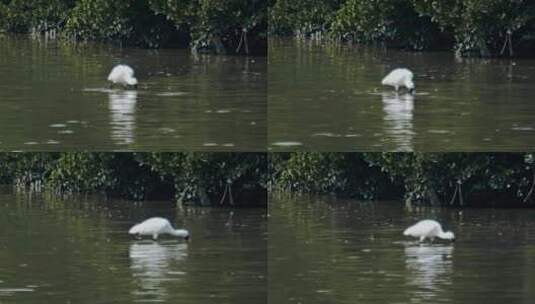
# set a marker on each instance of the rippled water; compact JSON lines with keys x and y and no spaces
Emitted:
{"x":324,"y":250}
{"x":54,"y":96}
{"x":330,"y":98}
{"x":78,"y":251}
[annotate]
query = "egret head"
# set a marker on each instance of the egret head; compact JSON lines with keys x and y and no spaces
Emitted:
{"x":410,"y":85}
{"x":132,"y":81}
{"x":448,"y":235}
{"x":183,"y":233}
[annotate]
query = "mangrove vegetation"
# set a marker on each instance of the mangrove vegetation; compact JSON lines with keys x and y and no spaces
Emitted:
{"x":228,"y":26}
{"x":468,"y":27}
{"x":207,"y":179}
{"x":439,"y":179}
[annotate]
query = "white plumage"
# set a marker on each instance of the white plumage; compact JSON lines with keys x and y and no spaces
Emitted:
{"x":156,"y":226}
{"x":428,"y":229}
{"x":399,"y":78}
{"x":122,"y":74}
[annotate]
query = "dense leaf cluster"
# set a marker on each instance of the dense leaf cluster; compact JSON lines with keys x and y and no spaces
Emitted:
{"x":347,"y":174}
{"x":233,"y":26}
{"x":194,"y":178}
{"x":469,"y":27}
{"x":454,"y":179}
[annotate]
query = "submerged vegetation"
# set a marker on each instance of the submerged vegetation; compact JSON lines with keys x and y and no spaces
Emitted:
{"x":469,"y":27}
{"x":231,"y":26}
{"x":446,"y":179}
{"x":217,"y":179}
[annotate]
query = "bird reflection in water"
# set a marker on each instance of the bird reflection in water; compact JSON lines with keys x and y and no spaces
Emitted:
{"x":153,"y":264}
{"x":122,"y":108}
{"x":398,"y":110}
{"x":429,"y":266}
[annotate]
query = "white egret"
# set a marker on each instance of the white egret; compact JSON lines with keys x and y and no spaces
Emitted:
{"x":122,"y":74}
{"x":156,"y":226}
{"x":428,"y":229}
{"x":400,"y":78}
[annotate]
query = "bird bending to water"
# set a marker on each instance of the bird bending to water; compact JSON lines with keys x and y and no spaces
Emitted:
{"x":400,"y":78}
{"x":428,"y":229}
{"x":156,"y":226}
{"x":122,"y":74}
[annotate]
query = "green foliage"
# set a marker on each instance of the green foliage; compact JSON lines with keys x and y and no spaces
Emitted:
{"x":147,"y":23}
{"x":459,"y":179}
{"x":367,"y":20}
{"x":197,"y":178}
{"x":78,"y":172}
{"x":214,"y":22}
{"x":204,"y":177}
{"x":394,"y":22}
{"x":25,"y":168}
{"x":131,"y":22}
{"x":391,"y":21}
{"x":480,"y":27}
{"x":437,"y":178}
{"x":100,"y":20}
{"x":287,"y":16}
{"x":22,"y":15}
{"x":348,"y":174}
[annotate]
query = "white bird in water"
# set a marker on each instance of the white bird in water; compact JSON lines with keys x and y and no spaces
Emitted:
{"x":400,"y":78}
{"x":156,"y":226}
{"x":122,"y":74}
{"x":428,"y":229}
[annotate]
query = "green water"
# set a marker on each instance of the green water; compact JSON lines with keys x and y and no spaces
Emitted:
{"x":78,"y":251}
{"x":323,"y":250}
{"x":330,"y":98}
{"x":54,"y":96}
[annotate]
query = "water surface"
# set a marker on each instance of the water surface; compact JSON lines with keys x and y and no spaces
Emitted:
{"x":78,"y":251}
{"x":330,"y":98}
{"x":324,"y":250}
{"x":54,"y":96}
